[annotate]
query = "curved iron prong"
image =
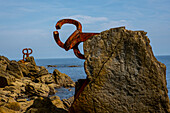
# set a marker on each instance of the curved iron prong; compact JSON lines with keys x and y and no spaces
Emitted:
{"x":30,"y":50}
{"x":74,"y":39}
{"x":77,"y":52}
{"x":27,"y":53}
{"x":69,"y":21}
{"x":57,"y":39}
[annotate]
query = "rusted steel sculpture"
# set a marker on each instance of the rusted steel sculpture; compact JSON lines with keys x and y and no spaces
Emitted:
{"x":74,"y":39}
{"x":27,"y":53}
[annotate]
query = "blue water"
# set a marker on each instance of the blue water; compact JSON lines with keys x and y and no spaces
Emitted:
{"x":62,"y":65}
{"x":78,"y":72}
{"x":166,"y":61}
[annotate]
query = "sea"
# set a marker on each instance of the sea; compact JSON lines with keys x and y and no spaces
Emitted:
{"x":63,"y":65}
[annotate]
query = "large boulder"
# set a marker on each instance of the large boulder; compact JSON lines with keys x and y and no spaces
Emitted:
{"x":62,"y":79}
{"x":123,"y":75}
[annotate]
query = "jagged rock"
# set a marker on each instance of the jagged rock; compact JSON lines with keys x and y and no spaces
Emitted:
{"x":52,"y":89}
{"x":47,"y":79}
{"x":58,"y":103}
{"x":29,"y":68}
{"x":67,"y":102}
{"x":31,"y":60}
{"x":15,"y":91}
{"x":37,"y":89}
{"x":44,"y":105}
{"x":43,"y":71}
{"x":13,"y":106}
{"x":6,"y":110}
{"x":6,"y":79}
{"x":25,"y":105}
{"x":3,"y":63}
{"x":24,"y":69}
{"x":62,"y":79}
{"x":33,"y":70}
{"x":54,"y":97}
{"x":123,"y":74}
{"x":14,"y":69}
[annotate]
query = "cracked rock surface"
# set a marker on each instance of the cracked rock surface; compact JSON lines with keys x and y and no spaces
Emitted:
{"x":124,"y":75}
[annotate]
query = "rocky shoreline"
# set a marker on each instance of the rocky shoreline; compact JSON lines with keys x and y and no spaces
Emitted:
{"x":26,"y":87}
{"x":123,"y":76}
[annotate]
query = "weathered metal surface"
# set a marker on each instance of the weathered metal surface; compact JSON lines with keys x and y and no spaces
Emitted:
{"x":74,"y":39}
{"x":27,"y":53}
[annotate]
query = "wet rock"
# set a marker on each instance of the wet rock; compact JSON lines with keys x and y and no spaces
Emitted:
{"x":73,"y":66}
{"x":51,"y":65}
{"x":62,"y":79}
{"x":124,"y":75}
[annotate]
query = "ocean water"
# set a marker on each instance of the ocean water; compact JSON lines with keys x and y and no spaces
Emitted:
{"x":63,"y":66}
{"x":78,"y":72}
{"x":166,"y":61}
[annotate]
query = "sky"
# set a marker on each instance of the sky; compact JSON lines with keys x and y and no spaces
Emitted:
{"x":30,"y":23}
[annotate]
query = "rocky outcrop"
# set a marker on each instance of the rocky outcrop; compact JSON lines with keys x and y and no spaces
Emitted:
{"x":21,"y":83}
{"x":62,"y":79}
{"x":44,"y":105}
{"x":67,"y":102}
{"x":123,"y":76}
{"x":37,"y":89}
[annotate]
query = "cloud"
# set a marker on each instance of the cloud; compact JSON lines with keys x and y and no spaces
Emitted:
{"x":23,"y":9}
{"x":87,"y":19}
{"x":113,"y":24}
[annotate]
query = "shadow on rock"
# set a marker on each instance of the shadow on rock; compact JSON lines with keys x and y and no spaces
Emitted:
{"x":44,"y":105}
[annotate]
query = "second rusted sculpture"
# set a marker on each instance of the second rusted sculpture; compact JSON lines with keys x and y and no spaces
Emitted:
{"x":75,"y":38}
{"x":27,"y":53}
